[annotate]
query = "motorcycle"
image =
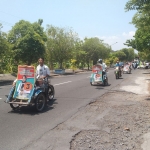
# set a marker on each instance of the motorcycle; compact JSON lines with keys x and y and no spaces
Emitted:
{"x":98,"y":76}
{"x":31,"y":93}
{"x":117,"y":72}
{"x":127,"y":69}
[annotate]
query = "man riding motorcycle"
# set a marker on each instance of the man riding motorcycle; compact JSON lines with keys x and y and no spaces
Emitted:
{"x":104,"y":67}
{"x":42,"y":71}
{"x":118,"y":65}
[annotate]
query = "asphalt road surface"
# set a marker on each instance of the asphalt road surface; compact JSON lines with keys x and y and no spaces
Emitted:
{"x":21,"y":128}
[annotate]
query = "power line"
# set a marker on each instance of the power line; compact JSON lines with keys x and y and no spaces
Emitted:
{"x":10,"y":14}
{"x":5,"y":23}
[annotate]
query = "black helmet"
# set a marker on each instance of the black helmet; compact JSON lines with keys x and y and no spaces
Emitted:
{"x":100,"y":61}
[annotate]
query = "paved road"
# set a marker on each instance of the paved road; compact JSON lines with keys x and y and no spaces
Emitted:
{"x":18,"y":129}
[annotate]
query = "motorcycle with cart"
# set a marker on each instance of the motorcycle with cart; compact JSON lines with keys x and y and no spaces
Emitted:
{"x":127,"y":69}
{"x":30,"y":91}
{"x":98,"y":76}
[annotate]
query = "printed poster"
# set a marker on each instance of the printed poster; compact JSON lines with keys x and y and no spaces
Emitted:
{"x":97,"y":68}
{"x":97,"y":73}
{"x":25,"y":82}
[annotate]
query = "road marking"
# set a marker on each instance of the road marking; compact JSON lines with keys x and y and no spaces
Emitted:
{"x":0,"y":98}
{"x":62,"y":83}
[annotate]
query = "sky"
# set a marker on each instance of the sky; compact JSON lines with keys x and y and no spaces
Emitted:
{"x":105,"y":19}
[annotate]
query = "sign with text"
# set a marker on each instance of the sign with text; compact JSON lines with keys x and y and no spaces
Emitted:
{"x":25,"y":82}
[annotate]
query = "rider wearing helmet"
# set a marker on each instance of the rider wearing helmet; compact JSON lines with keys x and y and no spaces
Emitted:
{"x":100,"y":62}
{"x":104,"y":66}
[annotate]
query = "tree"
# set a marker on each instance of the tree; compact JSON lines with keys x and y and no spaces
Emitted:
{"x":60,"y":44}
{"x":4,"y":45}
{"x":141,"y":20}
{"x":80,"y":54}
{"x":129,"y":53}
{"x":6,"y":55}
{"x":121,"y":55}
{"x":28,"y":41}
{"x":95,"y":49}
{"x":137,"y":5}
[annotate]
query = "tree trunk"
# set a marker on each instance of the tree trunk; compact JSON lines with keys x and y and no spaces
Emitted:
{"x":88,"y":66}
{"x":60,"y":65}
{"x":94,"y":62}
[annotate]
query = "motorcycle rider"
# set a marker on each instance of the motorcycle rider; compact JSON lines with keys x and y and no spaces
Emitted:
{"x":42,"y":71}
{"x":118,"y":65}
{"x":104,"y":67}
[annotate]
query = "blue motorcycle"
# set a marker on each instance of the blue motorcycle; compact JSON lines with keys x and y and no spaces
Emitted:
{"x":41,"y":92}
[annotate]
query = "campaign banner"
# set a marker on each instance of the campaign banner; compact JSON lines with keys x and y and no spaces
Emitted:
{"x":96,"y":77}
{"x":97,"y":68}
{"x":25,"y":82}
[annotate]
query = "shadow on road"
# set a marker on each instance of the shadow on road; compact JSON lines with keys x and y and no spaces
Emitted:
{"x":148,"y":99}
{"x":8,"y":82}
{"x":30,"y":110}
{"x":146,"y":73}
{"x":119,"y":78}
{"x":99,"y":86}
{"x":147,"y":79}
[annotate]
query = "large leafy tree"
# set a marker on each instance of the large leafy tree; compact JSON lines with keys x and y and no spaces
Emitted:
{"x":80,"y":54}
{"x":28,"y":41}
{"x":120,"y":55}
{"x":4,"y":45}
{"x":60,"y":44}
{"x":129,"y":53}
{"x":95,"y":49}
{"x":141,"y":20}
{"x":137,"y":5}
{"x":6,"y":55}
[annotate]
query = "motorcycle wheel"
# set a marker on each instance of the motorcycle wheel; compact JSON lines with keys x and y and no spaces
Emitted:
{"x":14,"y":106}
{"x":117,"y":76}
{"x":40,"y":102}
{"x":106,"y":82}
{"x":51,"y":92}
{"x":92,"y":83}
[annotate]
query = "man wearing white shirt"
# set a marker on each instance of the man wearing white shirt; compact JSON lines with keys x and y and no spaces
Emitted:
{"x":42,"y":71}
{"x":104,"y":67}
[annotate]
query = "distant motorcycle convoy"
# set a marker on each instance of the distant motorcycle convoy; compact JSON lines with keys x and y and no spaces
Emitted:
{"x":99,"y":71}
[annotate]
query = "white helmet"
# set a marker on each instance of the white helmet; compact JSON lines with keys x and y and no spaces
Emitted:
{"x":100,"y":61}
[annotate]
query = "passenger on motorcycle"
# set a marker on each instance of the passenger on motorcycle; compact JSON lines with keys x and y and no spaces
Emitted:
{"x":104,"y":67}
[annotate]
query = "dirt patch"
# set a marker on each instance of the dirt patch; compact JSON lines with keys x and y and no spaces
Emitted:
{"x":121,"y":128}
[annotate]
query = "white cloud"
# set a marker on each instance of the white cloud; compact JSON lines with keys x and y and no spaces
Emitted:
{"x":132,"y":33}
{"x":124,"y":34}
{"x":129,"y":34}
{"x":117,"y":41}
